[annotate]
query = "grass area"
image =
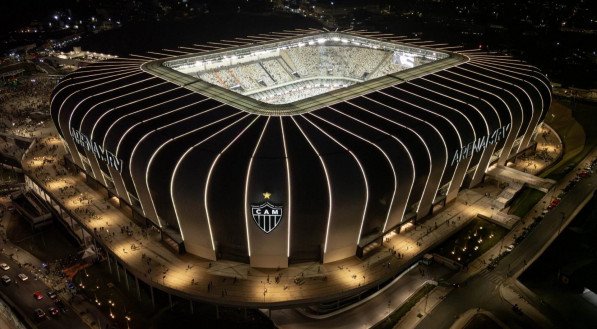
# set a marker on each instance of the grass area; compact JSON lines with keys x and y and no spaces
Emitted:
{"x":479,"y":233}
{"x":395,"y":316}
{"x":525,"y":201}
{"x":481,"y":321}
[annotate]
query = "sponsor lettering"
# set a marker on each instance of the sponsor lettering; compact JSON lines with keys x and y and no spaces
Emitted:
{"x":480,"y":144}
{"x":98,"y":151}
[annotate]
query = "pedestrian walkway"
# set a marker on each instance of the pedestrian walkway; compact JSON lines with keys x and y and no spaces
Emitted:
{"x":509,"y":294}
{"x":423,"y":307}
{"x":547,"y":150}
{"x":467,"y":316}
{"x":376,"y":308}
{"x":503,"y":173}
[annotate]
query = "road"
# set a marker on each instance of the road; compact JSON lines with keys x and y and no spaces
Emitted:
{"x":21,"y":294}
{"x":482,"y":290}
{"x":370,"y":312}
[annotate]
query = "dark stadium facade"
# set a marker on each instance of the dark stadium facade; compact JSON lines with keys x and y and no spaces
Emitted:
{"x":225,"y":176}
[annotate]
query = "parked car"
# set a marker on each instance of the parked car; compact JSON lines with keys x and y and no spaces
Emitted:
{"x":4,"y":266}
{"x":23,"y":277}
{"x":52,"y":294}
{"x":38,"y":295}
{"x":39,"y":313}
{"x":53,"y":310}
{"x":6,"y":279}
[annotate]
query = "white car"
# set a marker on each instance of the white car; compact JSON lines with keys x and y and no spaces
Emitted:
{"x":4,"y":266}
{"x":23,"y":277}
{"x":5,"y":279}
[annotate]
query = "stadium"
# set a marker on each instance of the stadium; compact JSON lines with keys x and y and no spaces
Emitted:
{"x":294,"y":146}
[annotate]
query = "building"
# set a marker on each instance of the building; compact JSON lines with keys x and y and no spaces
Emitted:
{"x":295,"y":146}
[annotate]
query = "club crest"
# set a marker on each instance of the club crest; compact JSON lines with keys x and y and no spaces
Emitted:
{"x":266,"y":215}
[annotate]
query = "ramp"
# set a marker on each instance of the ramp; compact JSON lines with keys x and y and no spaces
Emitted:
{"x":507,"y":174}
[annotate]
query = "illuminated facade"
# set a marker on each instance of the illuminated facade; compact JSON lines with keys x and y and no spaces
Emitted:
{"x":215,"y":148}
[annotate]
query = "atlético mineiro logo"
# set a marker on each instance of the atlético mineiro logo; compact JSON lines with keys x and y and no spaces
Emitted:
{"x":266,"y":215}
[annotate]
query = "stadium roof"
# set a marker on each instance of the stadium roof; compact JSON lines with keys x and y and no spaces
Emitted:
{"x":167,"y":68}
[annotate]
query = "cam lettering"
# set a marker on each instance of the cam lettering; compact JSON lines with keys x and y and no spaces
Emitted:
{"x":267,"y":212}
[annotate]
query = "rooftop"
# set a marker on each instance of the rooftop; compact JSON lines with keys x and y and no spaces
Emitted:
{"x":299,"y":74}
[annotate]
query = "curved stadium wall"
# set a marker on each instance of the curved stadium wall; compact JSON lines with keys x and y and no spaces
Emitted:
{"x":234,"y":178}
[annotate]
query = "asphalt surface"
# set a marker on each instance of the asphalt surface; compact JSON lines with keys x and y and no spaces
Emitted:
{"x":482,"y":290}
{"x":369,"y":313}
{"x":21,"y":294}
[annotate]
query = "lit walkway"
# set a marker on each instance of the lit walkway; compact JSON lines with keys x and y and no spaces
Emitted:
{"x":503,"y":173}
{"x":369,"y":313}
{"x":526,"y":166}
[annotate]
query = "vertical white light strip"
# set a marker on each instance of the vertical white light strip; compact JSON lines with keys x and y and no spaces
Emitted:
{"x":213,"y":164}
{"x":121,"y":138}
{"x":474,"y":96}
{"x":454,"y":110}
{"x":102,"y":76}
{"x":437,"y":115}
{"x":289,"y":191}
{"x":134,"y":149}
{"x":420,"y":138}
{"x":534,"y":116}
{"x":76,"y":152}
{"x":362,"y":172}
{"x":495,"y":95}
{"x":103,"y":101}
{"x":247,"y":181}
{"x":439,"y":134}
{"x":122,"y":105}
{"x":518,"y":67}
{"x":412,"y":162}
{"x":160,"y":54}
{"x":496,"y":66}
{"x":174,"y":172}
{"x":144,"y":57}
{"x":527,"y":131}
{"x":496,"y":87}
{"x":383,"y":153}
{"x":465,"y":104}
{"x":327,"y":178}
{"x":148,"y":167}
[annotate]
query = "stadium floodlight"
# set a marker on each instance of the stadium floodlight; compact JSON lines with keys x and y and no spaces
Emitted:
{"x":308,"y":64}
